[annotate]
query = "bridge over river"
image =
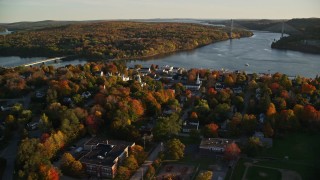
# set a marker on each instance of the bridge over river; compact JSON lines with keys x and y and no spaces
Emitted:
{"x":43,"y":61}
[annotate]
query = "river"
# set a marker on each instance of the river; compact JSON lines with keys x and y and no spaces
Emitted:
{"x":232,"y":55}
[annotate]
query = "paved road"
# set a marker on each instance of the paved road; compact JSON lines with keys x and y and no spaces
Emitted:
{"x":25,"y":100}
{"x":246,"y":101}
{"x":145,"y":166}
{"x":10,"y":153}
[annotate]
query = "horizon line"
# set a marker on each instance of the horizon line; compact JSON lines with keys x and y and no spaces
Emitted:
{"x":134,"y":19}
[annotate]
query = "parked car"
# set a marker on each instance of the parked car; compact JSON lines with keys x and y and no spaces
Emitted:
{"x":32,"y":125}
{"x":40,"y":94}
{"x":5,"y":108}
{"x":86,"y":94}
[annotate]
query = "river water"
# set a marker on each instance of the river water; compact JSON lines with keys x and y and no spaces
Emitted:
{"x":231,"y":55}
{"x":235,"y":54}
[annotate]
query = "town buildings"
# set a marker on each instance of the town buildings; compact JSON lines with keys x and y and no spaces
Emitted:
{"x":215,"y":145}
{"x":101,"y":157}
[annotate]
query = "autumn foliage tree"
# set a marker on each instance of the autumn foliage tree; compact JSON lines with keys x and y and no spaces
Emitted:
{"x":232,"y":151}
{"x":207,"y":175}
{"x":212,"y":91}
{"x":174,"y":149}
{"x":194,"y":115}
{"x":123,"y":173}
{"x":211,"y":130}
{"x":70,"y":166}
{"x":131,"y":163}
{"x":307,"y":88}
{"x":139,"y":153}
{"x":271,"y":110}
{"x":48,"y":172}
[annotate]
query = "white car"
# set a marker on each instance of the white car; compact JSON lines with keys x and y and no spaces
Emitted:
{"x":40,"y":94}
{"x":86,"y":94}
{"x":3,"y":108}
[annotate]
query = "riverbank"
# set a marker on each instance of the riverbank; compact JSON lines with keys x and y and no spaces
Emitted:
{"x":297,"y":44}
{"x":114,"y":40}
{"x":230,"y":55}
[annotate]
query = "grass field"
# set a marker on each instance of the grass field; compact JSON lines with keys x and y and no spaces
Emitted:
{"x":297,"y":146}
{"x":303,"y":156}
{"x":260,"y":173}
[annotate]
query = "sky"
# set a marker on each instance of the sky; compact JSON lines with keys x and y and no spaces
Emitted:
{"x":37,"y":10}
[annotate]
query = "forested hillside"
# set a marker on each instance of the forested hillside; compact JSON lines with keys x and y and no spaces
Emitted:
{"x":113,"y":40}
{"x":306,"y":40}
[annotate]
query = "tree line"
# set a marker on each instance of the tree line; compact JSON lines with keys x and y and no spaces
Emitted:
{"x":112,"y":40}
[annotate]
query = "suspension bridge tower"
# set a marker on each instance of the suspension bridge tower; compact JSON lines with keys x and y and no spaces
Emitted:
{"x":282,"y":29}
{"x":231,"y":29}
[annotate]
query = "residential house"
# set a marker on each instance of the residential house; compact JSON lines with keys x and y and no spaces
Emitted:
{"x":237,"y":90}
{"x":188,"y":126}
{"x":144,"y":71}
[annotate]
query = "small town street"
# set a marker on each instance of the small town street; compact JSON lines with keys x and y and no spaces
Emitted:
{"x":10,"y":154}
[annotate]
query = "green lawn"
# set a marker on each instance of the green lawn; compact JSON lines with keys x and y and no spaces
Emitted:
{"x":302,"y":150}
{"x":260,"y":173}
{"x":297,"y":146}
{"x":238,"y":170}
{"x":306,"y":171}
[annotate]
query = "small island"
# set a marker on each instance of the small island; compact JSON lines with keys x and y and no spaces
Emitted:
{"x":114,"y":40}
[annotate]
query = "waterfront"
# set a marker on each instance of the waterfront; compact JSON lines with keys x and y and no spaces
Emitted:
{"x":235,"y":54}
{"x":232,"y":55}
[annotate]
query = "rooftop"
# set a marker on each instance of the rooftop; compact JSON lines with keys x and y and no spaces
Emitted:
{"x":104,"y":152}
{"x":216,"y":142}
{"x":95,"y":141}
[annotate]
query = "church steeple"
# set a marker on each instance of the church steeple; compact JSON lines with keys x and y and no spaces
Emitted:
{"x":198,"y":80}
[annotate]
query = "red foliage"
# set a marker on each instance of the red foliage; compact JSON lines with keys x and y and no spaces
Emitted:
{"x":284,"y":94}
{"x":310,"y":113}
{"x":308,"y":88}
{"x":49,"y":173}
{"x":194,"y":115}
{"x":213,"y":128}
{"x":232,"y":151}
{"x":63,"y":84}
{"x":112,"y":68}
{"x":44,"y":137}
{"x":137,"y":107}
{"x":91,"y":122}
{"x":188,"y":93}
{"x":53,"y":174}
{"x":274,"y":87}
{"x":212,"y":91}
